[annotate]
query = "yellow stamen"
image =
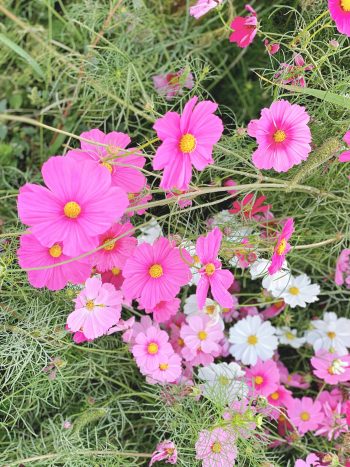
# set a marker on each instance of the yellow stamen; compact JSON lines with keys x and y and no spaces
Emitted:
{"x":210,"y":309}
{"x":281,"y":247}
{"x":55,"y":251}
{"x":290,"y":336}
{"x":112,"y":150}
{"x":258,"y":379}
{"x":196,"y":259}
{"x":108,"y":244}
{"x":163,"y":366}
{"x":294,"y":291}
{"x":216,"y":447}
{"x":90,"y":305}
{"x":331,"y":334}
{"x":210,"y":269}
{"x":155,"y":271}
{"x":131,"y":196}
{"x":275,"y":396}
{"x":180,"y":342}
{"x":279,"y":136}
{"x":116,"y":271}
{"x":152,"y":348}
{"x":202,"y":335}
{"x":72,"y":209}
{"x":108,"y":166}
{"x":345,"y":5}
{"x":305,"y":416}
{"x":252,"y":340}
{"x":223,"y":380}
{"x":187,"y":143}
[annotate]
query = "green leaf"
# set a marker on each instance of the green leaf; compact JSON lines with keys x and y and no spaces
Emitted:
{"x":23,"y":54}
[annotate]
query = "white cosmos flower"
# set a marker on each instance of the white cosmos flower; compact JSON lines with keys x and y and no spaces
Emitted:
{"x":288,"y":336}
{"x":273,"y":283}
{"x":150,"y":232}
{"x":330,"y":333}
{"x":299,"y":291}
{"x":222,"y":382}
{"x":252,"y":338}
{"x":211,"y":308}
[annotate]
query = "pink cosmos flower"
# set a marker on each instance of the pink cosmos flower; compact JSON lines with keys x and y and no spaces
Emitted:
{"x":340,"y":13}
{"x":97,"y":308}
{"x":203,"y":6}
{"x":113,"y":276}
{"x":333,"y":423}
{"x":219,"y":280}
{"x":305,"y":414}
{"x":281,"y":397}
{"x":273,"y":48}
{"x":294,"y":74}
{"x":115,"y":252}
{"x":232,"y":183}
{"x":169,"y":369}
{"x":263,"y":378}
{"x":331,"y":367}
{"x":282,"y":247}
{"x":345,"y":156}
{"x":216,"y":448}
{"x":139,"y":199}
{"x":187,"y":140}
{"x":273,"y":310}
{"x":78,"y":205}
{"x":124,"y":168}
{"x":166,"y":451}
{"x":200,"y":333}
{"x":155,"y":273}
{"x":294,"y":379}
{"x":164,"y":310}
{"x":244,"y":29}
{"x":250,"y":206}
{"x":32,"y":254}
{"x":283,"y":136}
{"x":171,"y":85}
{"x":312,"y":460}
{"x":151,"y":348}
{"x":182,"y":202}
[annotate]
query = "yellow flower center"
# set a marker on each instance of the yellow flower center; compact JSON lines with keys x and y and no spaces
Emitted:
{"x":282,"y":247}
{"x":89,"y":305}
{"x":275,"y":396}
{"x":108,"y":166}
{"x":131,"y":196}
{"x":345,"y":5}
{"x":202,"y":335}
{"x":112,"y":150}
{"x":294,"y":291}
{"x":216,"y":447}
{"x":155,"y":271}
{"x":279,"y":136}
{"x":163,"y":366}
{"x":55,"y":251}
{"x":108,"y":244}
{"x":180,"y":342}
{"x":252,"y":340}
{"x":223,"y":380}
{"x":290,"y":336}
{"x":226,"y":310}
{"x":305,"y":416}
{"x":196,"y":259}
{"x":152,"y":348}
{"x":210,"y":269}
{"x":72,"y":209}
{"x":258,"y":379}
{"x":187,"y":143}
{"x":116,"y":271}
{"x":331,"y":334}
{"x":210,"y":309}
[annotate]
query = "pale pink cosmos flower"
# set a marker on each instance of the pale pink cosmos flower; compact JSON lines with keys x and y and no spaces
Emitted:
{"x":78,"y":205}
{"x":272,"y":48}
{"x":340,"y":13}
{"x":312,"y":460}
{"x":244,"y":28}
{"x":216,"y":448}
{"x":334,"y":422}
{"x":294,"y":74}
{"x":283,"y":136}
{"x":305,"y":414}
{"x":97,"y":308}
{"x":32,"y":254}
{"x":282,"y":247}
{"x":345,"y":156}
{"x":125,"y":167}
{"x":155,"y":273}
{"x":219,"y":280}
{"x":165,"y":451}
{"x":115,"y":250}
{"x":150,"y":348}
{"x":263,"y":378}
{"x":139,"y":199}
{"x":164,"y":310}
{"x":187,"y":140}
{"x":171,"y":85}
{"x":203,"y":6}
{"x":169,"y":369}
{"x":331,"y":367}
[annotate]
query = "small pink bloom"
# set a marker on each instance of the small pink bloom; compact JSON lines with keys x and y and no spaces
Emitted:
{"x":331,"y":367}
{"x":78,"y":205}
{"x":164,"y":310}
{"x":32,"y":254}
{"x":273,"y":310}
{"x":333,"y":423}
{"x":232,"y":183}
{"x":294,"y":74}
{"x":182,"y":202}
{"x":282,"y":247}
{"x":283,"y":136}
{"x":155,"y":273}
{"x":219,"y":280}
{"x":169,"y":369}
{"x":78,"y":337}
{"x":139,"y":199}
{"x":340,"y":13}
{"x":312,"y":460}
{"x":273,"y":48}
{"x":125,"y":167}
{"x":345,"y":156}
{"x":203,"y":6}
{"x":150,"y":349}
{"x":187,"y":140}
{"x":97,"y":308}
{"x":263,"y":378}
{"x":244,"y":28}
{"x":113,"y":276}
{"x":342,"y":269}
{"x":166,"y":451}
{"x":216,"y":448}
{"x":305,"y":414}
{"x":201,"y":333}
{"x":122,"y":325}
{"x":171,"y":85}
{"x":250,"y":206}
{"x":281,"y":397}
